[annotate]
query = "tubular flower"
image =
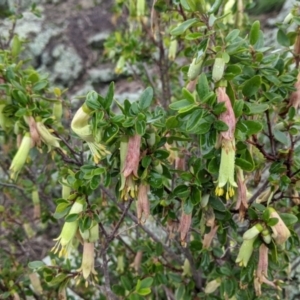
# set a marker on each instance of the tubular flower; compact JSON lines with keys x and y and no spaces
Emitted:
{"x":253,"y":232}
{"x":36,"y":204}
{"x":88,"y":261}
{"x":242,"y":198}
{"x":228,"y":116}
{"x":211,"y":286}
{"x":262,"y":271}
{"x":208,"y":237}
{"x":245,"y":252}
{"x":130,"y":158}
{"x":137,"y":261}
{"x":295,"y":96}
{"x":20,"y":157}
{"x":226,"y":172}
{"x":80,"y":125}
{"x":280,"y":232}
{"x":184,"y":227}
{"x":143,"y":205}
{"x":33,"y":130}
{"x":50,"y":140}
{"x":68,"y":232}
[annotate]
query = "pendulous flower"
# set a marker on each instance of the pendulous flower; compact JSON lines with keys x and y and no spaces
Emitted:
{"x":227,"y":141}
{"x":226,"y":171}
{"x":245,"y":252}
{"x":280,"y":231}
{"x":88,"y":261}
{"x":68,"y":232}
{"x":143,"y":205}
{"x":129,"y":163}
{"x":184,"y":227}
{"x":80,"y":125}
{"x":48,"y":139}
{"x":20,"y":157}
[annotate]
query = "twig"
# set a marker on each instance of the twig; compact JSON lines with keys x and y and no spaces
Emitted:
{"x":258,"y":192}
{"x":145,"y":229}
{"x":271,"y":137}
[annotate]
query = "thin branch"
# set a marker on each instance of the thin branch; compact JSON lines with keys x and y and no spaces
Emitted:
{"x":271,"y":136}
{"x":258,"y":192}
{"x":145,"y":229}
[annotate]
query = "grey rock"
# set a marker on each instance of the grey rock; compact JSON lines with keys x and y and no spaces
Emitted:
{"x":104,"y":73}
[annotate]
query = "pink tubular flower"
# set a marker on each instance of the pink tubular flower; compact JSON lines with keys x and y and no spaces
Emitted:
{"x":184,"y":227}
{"x":228,"y":116}
{"x":295,"y":96}
{"x":208,"y":237}
{"x":132,"y":156}
{"x":143,"y":205}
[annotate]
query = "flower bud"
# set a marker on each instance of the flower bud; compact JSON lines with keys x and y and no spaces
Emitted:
{"x":120,"y":264}
{"x":208,"y":237}
{"x":120,"y":65}
{"x":36,"y":204}
{"x":228,"y":117}
{"x":211,"y":286}
{"x":57,"y":110}
{"x":253,"y":232}
{"x":262,"y":268}
{"x":245,"y":252}
{"x":137,"y":261}
{"x":186,"y":268}
{"x":195,"y":68}
{"x":266,"y":236}
{"x":48,"y":139}
{"x":143,"y":205}
{"x":184,"y":227}
{"x":20,"y":157}
{"x":36,"y":283}
{"x":280,"y":231}
{"x":173,"y":49}
{"x":218,"y":69}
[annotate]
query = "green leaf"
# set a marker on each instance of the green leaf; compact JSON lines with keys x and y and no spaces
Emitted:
{"x":220,"y":125}
{"x":203,"y":126}
{"x":146,"y":283}
{"x":251,"y":86}
{"x":188,"y":95}
{"x":255,"y":108}
{"x":202,"y":86}
{"x":36,"y":264}
{"x":181,"y":28}
{"x":146,"y":98}
{"x":244,"y":164}
{"x":216,"y":203}
{"x":172,"y":122}
{"x":109,"y":96}
{"x":288,"y":219}
{"x":232,"y":71}
{"x":110,"y":132}
{"x":72,"y":218}
{"x":194,"y":119}
{"x":232,"y":35}
{"x":282,"y":38}
{"x":281,"y":137}
{"x":238,"y":108}
{"x":140,"y":127}
{"x":126,"y":283}
{"x":188,"y":206}
{"x":254,"y":33}
{"x":181,"y":104}
{"x":144,"y":292}
{"x":40,"y":85}
{"x":253,"y":127}
{"x":272,"y":221}
{"x":181,"y":191}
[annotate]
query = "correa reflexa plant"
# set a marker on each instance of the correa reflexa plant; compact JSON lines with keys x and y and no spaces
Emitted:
{"x":190,"y":192}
